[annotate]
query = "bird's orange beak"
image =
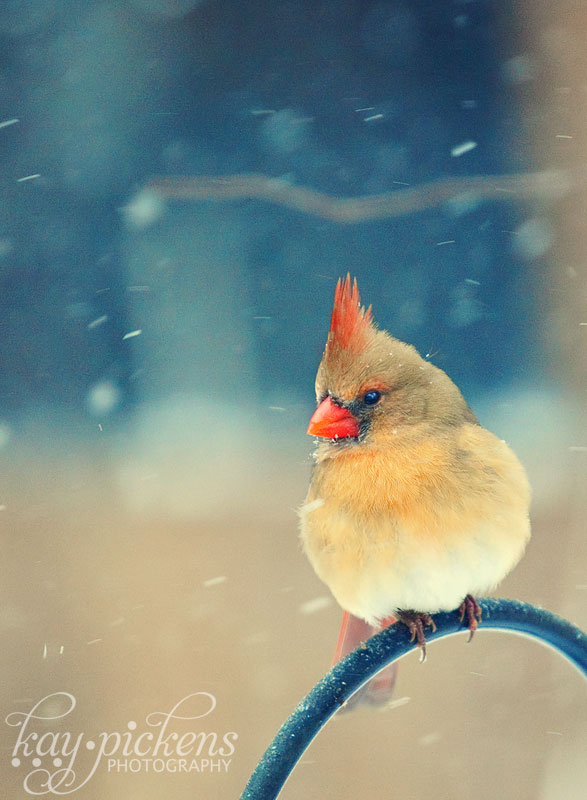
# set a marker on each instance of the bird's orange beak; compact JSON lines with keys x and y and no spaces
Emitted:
{"x":332,"y":422}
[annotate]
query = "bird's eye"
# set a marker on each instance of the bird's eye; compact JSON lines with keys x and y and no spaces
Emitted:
{"x":371,"y":397}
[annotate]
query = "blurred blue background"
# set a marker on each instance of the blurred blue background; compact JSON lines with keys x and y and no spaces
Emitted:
{"x":348,"y":98}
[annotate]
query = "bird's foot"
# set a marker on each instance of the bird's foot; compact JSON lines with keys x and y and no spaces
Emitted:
{"x":415,"y":622}
{"x":472,"y":610}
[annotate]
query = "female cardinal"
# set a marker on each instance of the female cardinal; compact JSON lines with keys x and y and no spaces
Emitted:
{"x":413,"y":507}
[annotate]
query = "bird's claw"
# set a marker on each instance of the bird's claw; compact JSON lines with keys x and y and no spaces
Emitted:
{"x":415,"y":622}
{"x":471,"y":608}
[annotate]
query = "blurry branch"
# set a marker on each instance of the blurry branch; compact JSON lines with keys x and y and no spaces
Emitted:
{"x":550,"y":185}
{"x":337,"y":686}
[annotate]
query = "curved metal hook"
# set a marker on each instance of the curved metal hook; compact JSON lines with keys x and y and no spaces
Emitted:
{"x":337,"y":686}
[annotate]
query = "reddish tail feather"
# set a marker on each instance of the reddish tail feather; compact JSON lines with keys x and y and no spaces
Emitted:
{"x":353,"y":632}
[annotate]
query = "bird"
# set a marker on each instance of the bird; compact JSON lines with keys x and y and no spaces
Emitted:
{"x":413,"y":506}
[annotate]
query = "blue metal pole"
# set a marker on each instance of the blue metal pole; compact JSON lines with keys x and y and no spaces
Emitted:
{"x":337,"y":686}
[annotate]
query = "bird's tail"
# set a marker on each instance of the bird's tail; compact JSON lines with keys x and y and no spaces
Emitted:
{"x":353,"y":632}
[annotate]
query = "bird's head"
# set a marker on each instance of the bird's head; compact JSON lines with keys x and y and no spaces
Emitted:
{"x":370,"y":386}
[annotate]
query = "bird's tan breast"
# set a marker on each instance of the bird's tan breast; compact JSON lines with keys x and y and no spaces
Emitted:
{"x":368,"y":513}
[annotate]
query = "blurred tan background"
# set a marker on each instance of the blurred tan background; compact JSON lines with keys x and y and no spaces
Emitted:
{"x":132,"y":610}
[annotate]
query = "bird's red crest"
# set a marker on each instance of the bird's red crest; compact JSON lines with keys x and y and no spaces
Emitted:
{"x":350,"y":322}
